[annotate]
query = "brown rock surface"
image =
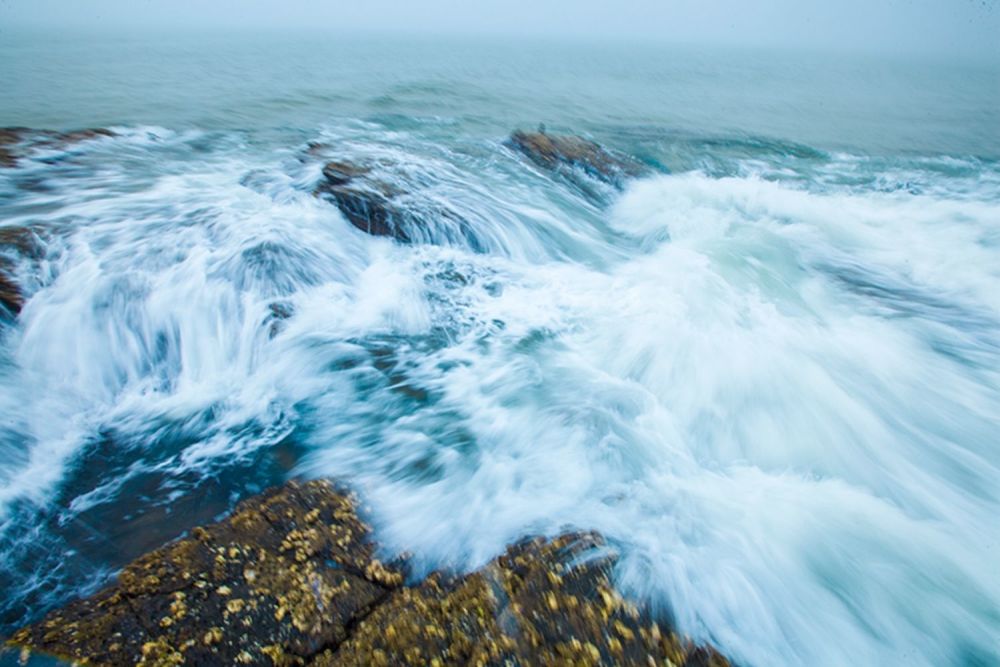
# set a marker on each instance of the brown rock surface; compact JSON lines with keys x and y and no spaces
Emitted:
{"x":544,"y":602}
{"x":291,"y":579}
{"x":286,"y":575}
{"x":10,"y":137}
{"x":16,"y":244}
{"x":382,"y":200}
{"x":368,"y":203}
{"x":15,"y":141}
{"x":562,"y":153}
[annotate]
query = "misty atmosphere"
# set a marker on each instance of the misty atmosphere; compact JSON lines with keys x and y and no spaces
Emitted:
{"x":551,"y":333}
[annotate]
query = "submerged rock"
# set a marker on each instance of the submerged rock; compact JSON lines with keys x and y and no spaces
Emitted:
{"x":10,"y":137}
{"x":291,"y":579}
{"x":15,"y":142}
{"x":278,"y":313}
{"x":566,"y":154}
{"x":16,"y":245}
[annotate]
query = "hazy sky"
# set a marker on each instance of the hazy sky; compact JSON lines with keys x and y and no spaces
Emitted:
{"x":949,"y":26}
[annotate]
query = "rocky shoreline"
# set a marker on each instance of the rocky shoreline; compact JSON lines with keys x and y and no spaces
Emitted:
{"x":291,"y":577}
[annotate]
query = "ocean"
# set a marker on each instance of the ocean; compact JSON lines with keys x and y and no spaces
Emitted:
{"x":769,"y":372}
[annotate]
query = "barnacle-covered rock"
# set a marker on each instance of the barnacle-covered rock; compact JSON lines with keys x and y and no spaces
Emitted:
{"x":291,"y":578}
{"x":286,"y":575}
{"x":544,"y":602}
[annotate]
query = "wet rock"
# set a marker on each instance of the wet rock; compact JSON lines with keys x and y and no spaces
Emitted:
{"x":381,"y":200}
{"x":15,"y":142}
{"x":277,"y":313}
{"x":544,"y":602}
{"x":10,"y":138}
{"x":291,"y":579}
{"x":76,"y":136}
{"x":16,"y":245}
{"x":368,"y":202}
{"x":10,"y":292}
{"x":317,"y":149}
{"x":284,"y":577}
{"x":568,"y":154}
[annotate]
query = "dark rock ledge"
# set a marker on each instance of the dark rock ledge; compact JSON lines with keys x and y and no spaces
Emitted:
{"x":291,"y":578}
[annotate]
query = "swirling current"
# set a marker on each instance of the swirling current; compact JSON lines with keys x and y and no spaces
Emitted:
{"x":768,"y":372}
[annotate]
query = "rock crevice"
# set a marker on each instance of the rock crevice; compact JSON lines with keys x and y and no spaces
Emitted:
{"x":292,"y":578}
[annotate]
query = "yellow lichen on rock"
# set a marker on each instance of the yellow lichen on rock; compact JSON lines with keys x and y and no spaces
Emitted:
{"x":291,"y":578}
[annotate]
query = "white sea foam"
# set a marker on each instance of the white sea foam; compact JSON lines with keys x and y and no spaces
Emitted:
{"x":779,"y":403}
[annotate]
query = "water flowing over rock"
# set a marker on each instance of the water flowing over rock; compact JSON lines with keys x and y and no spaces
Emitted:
{"x":15,"y":142}
{"x":291,"y":577}
{"x":366,"y":202}
{"x":568,"y":154}
{"x":10,"y":137}
{"x":16,"y":245}
{"x":378,"y":202}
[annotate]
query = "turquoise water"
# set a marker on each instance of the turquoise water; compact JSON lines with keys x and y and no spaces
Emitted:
{"x":769,"y":373}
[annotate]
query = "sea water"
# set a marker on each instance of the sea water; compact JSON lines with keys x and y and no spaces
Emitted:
{"x":769,"y":372}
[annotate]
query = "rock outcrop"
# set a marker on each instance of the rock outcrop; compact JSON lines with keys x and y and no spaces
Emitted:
{"x":368,"y":202}
{"x":544,"y":602}
{"x":382,"y":203}
{"x":384,"y":198}
{"x":283,"y":578}
{"x":568,"y":155}
{"x":291,"y":578}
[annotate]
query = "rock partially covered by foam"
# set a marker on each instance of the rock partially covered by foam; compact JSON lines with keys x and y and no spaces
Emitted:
{"x":17,"y":245}
{"x":379,"y":200}
{"x":368,"y":203}
{"x":10,"y":138}
{"x":292,"y":578}
{"x":569,"y":154}
{"x":543,"y":602}
{"x":283,"y":578}
{"x":15,"y":142}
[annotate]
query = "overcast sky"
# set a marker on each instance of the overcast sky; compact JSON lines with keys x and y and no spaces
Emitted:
{"x":968,"y":27}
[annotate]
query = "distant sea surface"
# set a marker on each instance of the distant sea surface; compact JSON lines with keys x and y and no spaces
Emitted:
{"x":769,"y":373}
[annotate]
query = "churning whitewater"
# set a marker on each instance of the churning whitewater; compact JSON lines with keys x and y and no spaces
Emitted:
{"x":768,"y":370}
{"x":775,"y":391}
